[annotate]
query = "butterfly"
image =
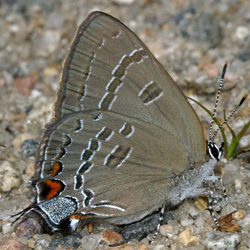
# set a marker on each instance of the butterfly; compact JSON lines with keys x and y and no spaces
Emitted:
{"x":123,"y":140}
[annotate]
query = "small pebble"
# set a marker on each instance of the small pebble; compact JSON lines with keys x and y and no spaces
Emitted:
{"x":30,"y":169}
{"x":50,"y":71}
{"x":25,"y":84}
{"x":28,"y":228}
{"x":186,"y":238}
{"x":211,"y":70}
{"x":243,"y":248}
{"x":221,"y":241}
{"x":11,"y":244}
{"x":166,"y":230}
{"x":242,"y":32}
{"x":124,"y":1}
{"x":245,"y":223}
{"x":159,"y":247}
{"x":41,"y":241}
{"x":111,"y":237}
{"x":29,"y":148}
{"x":231,"y":167}
{"x":9,"y":177}
{"x":238,"y":183}
{"x":187,"y":222}
{"x":7,"y":228}
{"x":31,"y":243}
{"x":239,"y":215}
{"x":129,"y":247}
{"x":201,"y":202}
{"x":91,"y":242}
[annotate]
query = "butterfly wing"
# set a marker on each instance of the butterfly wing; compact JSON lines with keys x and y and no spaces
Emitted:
{"x":109,"y":68}
{"x":121,"y":127}
{"x":109,"y":163}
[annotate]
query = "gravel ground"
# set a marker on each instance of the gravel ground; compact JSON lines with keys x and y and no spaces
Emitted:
{"x":192,"y":39}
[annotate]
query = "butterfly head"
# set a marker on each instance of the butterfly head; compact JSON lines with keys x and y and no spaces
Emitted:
{"x":214,"y":151}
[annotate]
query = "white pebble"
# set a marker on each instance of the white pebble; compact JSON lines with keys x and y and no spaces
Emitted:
{"x":237,"y":183}
{"x":167,"y":230}
{"x":7,"y":228}
{"x":91,"y":241}
{"x":187,"y":222}
{"x":242,"y":32}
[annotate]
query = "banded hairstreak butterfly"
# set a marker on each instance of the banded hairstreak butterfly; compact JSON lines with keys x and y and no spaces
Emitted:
{"x":123,"y":141}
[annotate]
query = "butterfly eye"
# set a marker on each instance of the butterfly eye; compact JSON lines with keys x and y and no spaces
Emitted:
{"x":214,"y":151}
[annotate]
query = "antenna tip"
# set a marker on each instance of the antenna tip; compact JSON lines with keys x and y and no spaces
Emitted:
{"x":223,"y":72}
{"x":243,"y":99}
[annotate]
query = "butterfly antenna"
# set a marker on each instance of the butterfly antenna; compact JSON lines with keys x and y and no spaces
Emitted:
{"x":211,"y":137}
{"x":232,"y":113}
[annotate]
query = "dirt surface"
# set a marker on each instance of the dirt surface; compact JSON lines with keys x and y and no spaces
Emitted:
{"x":192,"y":39}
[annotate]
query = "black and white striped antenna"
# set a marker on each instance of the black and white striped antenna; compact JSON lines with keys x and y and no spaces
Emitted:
{"x":212,"y":136}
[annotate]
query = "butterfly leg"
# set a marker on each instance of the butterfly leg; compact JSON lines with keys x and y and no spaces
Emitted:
{"x":159,"y":223}
{"x":210,"y":199}
{"x":224,"y":191}
{"x":214,"y":178}
{"x":210,"y":209}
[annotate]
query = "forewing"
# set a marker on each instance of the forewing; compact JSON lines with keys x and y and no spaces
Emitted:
{"x":109,"y":68}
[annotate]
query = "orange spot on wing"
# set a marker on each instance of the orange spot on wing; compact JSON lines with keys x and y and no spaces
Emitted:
{"x":55,"y":187}
{"x":57,"y":168}
{"x":76,"y":216}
